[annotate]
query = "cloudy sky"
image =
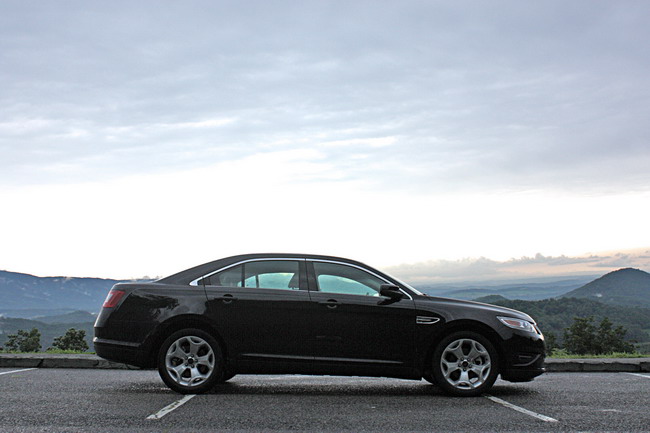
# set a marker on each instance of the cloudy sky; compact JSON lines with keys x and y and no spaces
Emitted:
{"x":146,"y":137}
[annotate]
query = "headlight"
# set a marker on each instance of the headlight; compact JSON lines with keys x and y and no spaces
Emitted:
{"x":523,"y":325}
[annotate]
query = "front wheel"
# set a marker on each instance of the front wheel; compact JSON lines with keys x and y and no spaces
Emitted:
{"x":190,"y":361}
{"x":465,"y":364}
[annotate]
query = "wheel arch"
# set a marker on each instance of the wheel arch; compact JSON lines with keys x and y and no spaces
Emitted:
{"x":177,"y":323}
{"x":464,"y":325}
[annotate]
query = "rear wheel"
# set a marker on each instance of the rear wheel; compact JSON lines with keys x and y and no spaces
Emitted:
{"x":190,"y":361}
{"x":465,"y":364}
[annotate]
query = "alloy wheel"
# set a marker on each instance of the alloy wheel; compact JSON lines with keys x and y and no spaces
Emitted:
{"x":190,"y":361}
{"x":465,"y":364}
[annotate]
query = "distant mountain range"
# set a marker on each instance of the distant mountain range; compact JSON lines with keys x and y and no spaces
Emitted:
{"x":28,"y":296}
{"x":20,"y":292}
{"x":623,"y":287}
{"x":531,"y":290}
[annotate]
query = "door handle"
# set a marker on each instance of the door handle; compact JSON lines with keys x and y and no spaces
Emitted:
{"x":330,"y":303}
{"x":227,"y":299}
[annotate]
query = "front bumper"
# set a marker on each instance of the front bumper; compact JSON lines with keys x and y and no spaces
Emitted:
{"x":524,"y":358}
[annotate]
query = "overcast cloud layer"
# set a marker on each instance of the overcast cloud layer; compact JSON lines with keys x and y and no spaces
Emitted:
{"x":436,"y":95}
{"x":411,"y":111}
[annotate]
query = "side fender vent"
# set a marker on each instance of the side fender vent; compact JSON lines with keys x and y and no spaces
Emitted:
{"x":426,"y":320}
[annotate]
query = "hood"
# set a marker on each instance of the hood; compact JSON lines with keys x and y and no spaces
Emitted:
{"x":457,"y":305}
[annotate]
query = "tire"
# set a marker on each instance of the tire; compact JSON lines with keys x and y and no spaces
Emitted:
{"x":428,"y":376}
{"x":465,"y":364}
{"x":190,"y":361}
{"x":226,"y":377}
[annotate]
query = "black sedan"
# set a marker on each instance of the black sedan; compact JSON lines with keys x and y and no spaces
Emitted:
{"x":309,"y":314}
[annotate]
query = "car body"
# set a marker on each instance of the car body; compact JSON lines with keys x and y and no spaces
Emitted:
{"x":311,"y":314}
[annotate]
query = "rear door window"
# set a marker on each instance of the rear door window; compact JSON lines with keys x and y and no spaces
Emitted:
{"x":268,"y":274}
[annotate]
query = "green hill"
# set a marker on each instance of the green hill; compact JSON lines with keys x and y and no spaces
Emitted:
{"x":623,"y":287}
{"x":554,"y":315}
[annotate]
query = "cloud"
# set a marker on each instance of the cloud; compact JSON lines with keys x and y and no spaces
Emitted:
{"x":434,"y":96}
{"x":483,"y":269}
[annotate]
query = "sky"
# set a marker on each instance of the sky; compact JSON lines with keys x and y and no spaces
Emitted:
{"x":435,"y":139}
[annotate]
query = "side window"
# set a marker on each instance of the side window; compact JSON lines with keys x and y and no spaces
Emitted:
{"x":335,"y":278}
{"x":231,"y":277}
{"x":272,"y":274}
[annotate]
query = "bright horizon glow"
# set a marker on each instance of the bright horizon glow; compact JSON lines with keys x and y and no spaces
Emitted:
{"x":160,"y":224}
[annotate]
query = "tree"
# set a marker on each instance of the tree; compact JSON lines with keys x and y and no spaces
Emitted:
{"x":583,"y":337}
{"x":72,"y":340}
{"x":24,"y":341}
{"x":612,"y":339}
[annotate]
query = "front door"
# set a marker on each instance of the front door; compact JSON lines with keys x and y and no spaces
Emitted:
{"x":352,"y":323}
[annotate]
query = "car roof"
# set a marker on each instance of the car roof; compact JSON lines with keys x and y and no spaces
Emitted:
{"x":187,"y":275}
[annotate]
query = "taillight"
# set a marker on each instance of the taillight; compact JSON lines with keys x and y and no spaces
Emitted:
{"x":113,"y":298}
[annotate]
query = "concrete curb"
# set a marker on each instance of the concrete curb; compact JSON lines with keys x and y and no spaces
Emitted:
{"x":46,"y":360}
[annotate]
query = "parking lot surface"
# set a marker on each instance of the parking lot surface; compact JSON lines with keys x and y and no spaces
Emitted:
{"x":72,"y":400}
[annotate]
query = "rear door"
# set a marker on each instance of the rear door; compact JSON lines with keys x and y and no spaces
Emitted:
{"x":261,"y":309}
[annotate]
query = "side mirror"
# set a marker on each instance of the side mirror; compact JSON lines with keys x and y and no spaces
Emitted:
{"x":391,"y":291}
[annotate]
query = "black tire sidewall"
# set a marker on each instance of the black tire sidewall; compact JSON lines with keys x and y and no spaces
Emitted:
{"x":217,"y":372}
{"x":439,"y":376}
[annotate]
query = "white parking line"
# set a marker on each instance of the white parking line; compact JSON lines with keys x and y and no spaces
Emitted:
{"x":640,"y":375}
{"x":16,"y":371}
{"x":175,"y":405}
{"x":521,"y":409}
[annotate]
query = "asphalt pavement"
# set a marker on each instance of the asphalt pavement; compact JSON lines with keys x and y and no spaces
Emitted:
{"x":49,"y":360}
{"x":101,"y":400}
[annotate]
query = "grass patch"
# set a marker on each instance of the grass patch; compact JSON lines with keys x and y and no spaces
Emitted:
{"x":563,"y":354}
{"x":68,"y":352}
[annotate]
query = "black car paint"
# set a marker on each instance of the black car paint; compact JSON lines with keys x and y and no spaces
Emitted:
{"x":305,"y":331}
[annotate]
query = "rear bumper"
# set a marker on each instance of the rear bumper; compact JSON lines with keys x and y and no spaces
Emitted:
{"x":120,"y":351}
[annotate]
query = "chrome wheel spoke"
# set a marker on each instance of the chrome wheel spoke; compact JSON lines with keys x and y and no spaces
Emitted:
{"x":195,"y":345}
{"x":456,"y":350}
{"x":481,"y":371}
{"x":207,"y":360}
{"x":196,"y":376}
{"x":464,"y":381}
{"x":176,"y":372}
{"x":448,"y":367}
{"x":177,"y":352}
{"x":476,"y":351}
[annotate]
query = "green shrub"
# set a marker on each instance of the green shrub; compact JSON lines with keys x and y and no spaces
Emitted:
{"x":72,"y":340}
{"x":24,"y":341}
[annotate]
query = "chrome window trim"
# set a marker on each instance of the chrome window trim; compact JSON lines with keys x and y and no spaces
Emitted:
{"x":360,"y":268}
{"x":195,"y":282}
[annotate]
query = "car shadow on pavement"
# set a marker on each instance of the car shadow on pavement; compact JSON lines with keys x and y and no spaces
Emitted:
{"x":353,"y":388}
{"x":509,"y":390}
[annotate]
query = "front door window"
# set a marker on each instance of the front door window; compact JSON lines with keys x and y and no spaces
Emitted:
{"x":335,"y":278}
